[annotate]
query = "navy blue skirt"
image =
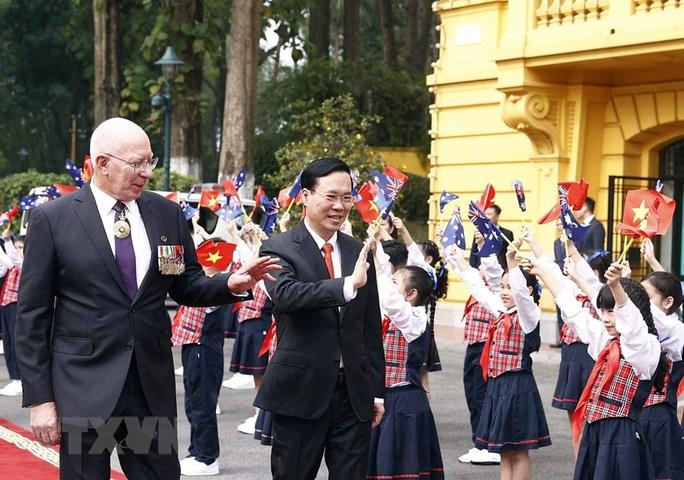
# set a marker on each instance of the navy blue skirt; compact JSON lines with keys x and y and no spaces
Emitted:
{"x":512,"y":415}
{"x":663,"y":434}
{"x":263,"y":429}
{"x":574,"y":371}
{"x":613,"y":448}
{"x":231,"y":324}
{"x":405,"y":444}
{"x":245,"y":358}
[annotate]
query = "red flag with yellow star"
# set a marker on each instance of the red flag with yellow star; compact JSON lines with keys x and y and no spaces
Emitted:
{"x":364,"y":202}
{"x":646,"y":213}
{"x":215,"y":254}
{"x":210,"y":199}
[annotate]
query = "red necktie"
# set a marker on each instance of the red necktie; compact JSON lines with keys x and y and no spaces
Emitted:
{"x":327,"y":256}
{"x":507,"y":322}
{"x":610,"y":355}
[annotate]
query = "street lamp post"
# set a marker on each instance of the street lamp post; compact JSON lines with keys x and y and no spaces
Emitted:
{"x":169,"y":63}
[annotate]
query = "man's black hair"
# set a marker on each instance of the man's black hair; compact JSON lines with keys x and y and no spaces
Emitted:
{"x":590,"y":203}
{"x":322,"y":168}
{"x":496,"y":208}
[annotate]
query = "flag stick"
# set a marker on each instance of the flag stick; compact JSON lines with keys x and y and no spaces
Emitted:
{"x":564,"y":239}
{"x":622,"y":256}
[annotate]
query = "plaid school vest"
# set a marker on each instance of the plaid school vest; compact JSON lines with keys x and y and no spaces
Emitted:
{"x":616,"y":397}
{"x":510,"y":348}
{"x":10,"y":289}
{"x":402,"y":359}
{"x":250,"y":309}
{"x":568,"y":336}
{"x":477,"y":321}
{"x":673,"y":378}
{"x":187,"y":325}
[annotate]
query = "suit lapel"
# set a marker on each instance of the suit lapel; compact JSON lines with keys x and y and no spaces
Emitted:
{"x":309,"y":251}
{"x":152,"y":232}
{"x":86,"y":211}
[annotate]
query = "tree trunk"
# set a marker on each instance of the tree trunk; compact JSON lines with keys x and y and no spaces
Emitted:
{"x":239,"y":117}
{"x":106,"y":63}
{"x":319,"y":28}
{"x":417,"y":46}
{"x":350,"y":46}
{"x":186,"y":138}
{"x":389,"y":45}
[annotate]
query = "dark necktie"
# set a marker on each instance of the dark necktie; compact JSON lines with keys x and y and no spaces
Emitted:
{"x":125,"y":255}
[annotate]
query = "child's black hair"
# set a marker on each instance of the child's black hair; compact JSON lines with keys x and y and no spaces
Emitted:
{"x":600,"y":260}
{"x":396,"y":251}
{"x":419,"y":279}
{"x":667,"y":285}
{"x":532,"y":281}
{"x":638,"y":296}
{"x":431,"y":249}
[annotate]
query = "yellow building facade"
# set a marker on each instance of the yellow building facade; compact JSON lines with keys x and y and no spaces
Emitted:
{"x":552,"y":90}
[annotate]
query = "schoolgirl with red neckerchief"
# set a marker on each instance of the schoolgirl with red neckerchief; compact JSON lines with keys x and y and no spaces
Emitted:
{"x":576,"y":363}
{"x":11,"y":260}
{"x":629,"y":362}
{"x":512,"y":420}
{"x":659,"y":417}
{"x":405,"y":443}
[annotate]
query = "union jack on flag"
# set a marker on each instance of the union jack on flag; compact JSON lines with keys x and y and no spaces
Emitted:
{"x":390,"y":186}
{"x":231,"y":210}
{"x":573,"y":229}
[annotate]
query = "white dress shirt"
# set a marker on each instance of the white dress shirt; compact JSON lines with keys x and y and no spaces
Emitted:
{"x":349,"y":291}
{"x":141,"y":244}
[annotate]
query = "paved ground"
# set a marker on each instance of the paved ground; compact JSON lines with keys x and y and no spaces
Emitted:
{"x":243,"y":458}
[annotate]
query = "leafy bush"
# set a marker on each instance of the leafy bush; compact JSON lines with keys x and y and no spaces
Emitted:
{"x":177,"y":182}
{"x":15,"y":186}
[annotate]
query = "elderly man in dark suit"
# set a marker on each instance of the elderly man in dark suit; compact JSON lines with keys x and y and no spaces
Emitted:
{"x":325,"y":382}
{"x":93,"y":335}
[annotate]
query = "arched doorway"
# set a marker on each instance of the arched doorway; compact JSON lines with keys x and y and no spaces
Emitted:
{"x":671,"y":170}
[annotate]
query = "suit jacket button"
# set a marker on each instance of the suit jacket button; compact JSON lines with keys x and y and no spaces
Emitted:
{"x":128,"y":346}
{"x":132,"y":309}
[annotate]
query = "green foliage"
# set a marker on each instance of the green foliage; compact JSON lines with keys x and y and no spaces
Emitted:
{"x":15,"y":186}
{"x":335,"y":129}
{"x":178,"y":182}
{"x":412,"y":206}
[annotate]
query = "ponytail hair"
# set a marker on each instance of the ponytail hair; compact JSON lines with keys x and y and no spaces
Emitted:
{"x":638,"y":296}
{"x":600,"y":261}
{"x":532,"y":281}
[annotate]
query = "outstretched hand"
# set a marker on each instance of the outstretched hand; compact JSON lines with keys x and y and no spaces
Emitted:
{"x":613,"y":274}
{"x":359,"y":276}
{"x":252,"y":272}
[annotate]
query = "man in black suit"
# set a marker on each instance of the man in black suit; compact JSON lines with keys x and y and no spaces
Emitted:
{"x":93,"y":335}
{"x":595,"y":237}
{"x":493,"y":213}
{"x":325,"y":382}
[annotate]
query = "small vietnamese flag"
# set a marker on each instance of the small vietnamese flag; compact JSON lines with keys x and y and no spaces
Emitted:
{"x":487,"y":198}
{"x":364,"y":205}
{"x":258,"y":196}
{"x":229,"y":188}
{"x":210,"y":199}
{"x":646,"y":213}
{"x":173,"y":196}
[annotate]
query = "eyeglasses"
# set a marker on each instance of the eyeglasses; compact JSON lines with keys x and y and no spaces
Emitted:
{"x":331,"y":198}
{"x":140,"y":164}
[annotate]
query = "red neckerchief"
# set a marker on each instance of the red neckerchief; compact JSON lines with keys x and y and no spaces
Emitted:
{"x":507,"y":321}
{"x":610,"y":355}
{"x":680,"y":387}
{"x":267,"y":339}
{"x":385,"y":325}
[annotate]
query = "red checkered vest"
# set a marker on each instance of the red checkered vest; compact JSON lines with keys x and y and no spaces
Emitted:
{"x":672,"y":380}
{"x":402,"y":359}
{"x":510,"y":352}
{"x":616,"y":398}
{"x":568,"y":335}
{"x":10,"y":289}
{"x":477,"y":321}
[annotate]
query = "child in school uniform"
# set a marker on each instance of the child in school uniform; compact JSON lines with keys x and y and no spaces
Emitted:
{"x":629,"y":362}
{"x":200,"y":333}
{"x":11,"y":260}
{"x":576,"y":363}
{"x":512,"y":421}
{"x":658,"y":419}
{"x":405,"y":443}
